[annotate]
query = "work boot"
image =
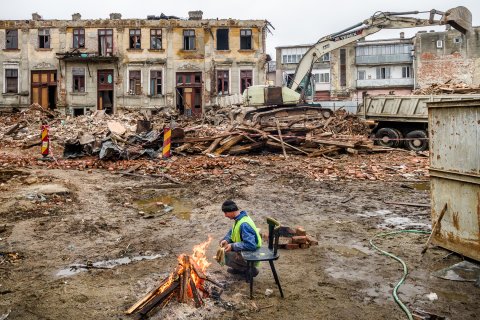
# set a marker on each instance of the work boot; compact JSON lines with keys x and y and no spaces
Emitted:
{"x":236,"y":271}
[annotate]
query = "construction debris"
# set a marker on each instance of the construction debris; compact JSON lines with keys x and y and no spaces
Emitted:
{"x":448,"y":88}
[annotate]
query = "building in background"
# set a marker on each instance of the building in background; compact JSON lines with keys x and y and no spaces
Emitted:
{"x":447,"y":56}
{"x":384,"y":66}
{"x":112,"y":64}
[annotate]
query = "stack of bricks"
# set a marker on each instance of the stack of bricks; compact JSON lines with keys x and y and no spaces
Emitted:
{"x":299,"y":239}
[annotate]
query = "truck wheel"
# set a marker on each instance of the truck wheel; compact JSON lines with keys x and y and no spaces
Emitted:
{"x":417,"y":140}
{"x":388,"y":137}
{"x":400,"y":137}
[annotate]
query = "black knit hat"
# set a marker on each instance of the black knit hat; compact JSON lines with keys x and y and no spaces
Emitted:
{"x":229,"y":206}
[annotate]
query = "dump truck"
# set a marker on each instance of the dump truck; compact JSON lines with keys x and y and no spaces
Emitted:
{"x":286,"y":104}
{"x":402,"y":121}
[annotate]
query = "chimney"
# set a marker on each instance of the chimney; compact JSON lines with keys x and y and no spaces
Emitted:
{"x":115,"y":16}
{"x":402,"y":35}
{"x":76,"y":16}
{"x":36,"y":17}
{"x":195,"y":15}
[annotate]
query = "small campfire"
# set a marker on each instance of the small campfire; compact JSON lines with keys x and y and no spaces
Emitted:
{"x":186,"y":283}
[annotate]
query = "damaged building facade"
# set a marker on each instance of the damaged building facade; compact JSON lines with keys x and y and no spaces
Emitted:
{"x":394,"y":66}
{"x":113,"y":64}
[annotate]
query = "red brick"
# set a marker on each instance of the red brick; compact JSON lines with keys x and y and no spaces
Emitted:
{"x":300,"y":231}
{"x":299,"y":239}
{"x":291,"y":246}
{"x":304,"y":246}
{"x":312,"y":241}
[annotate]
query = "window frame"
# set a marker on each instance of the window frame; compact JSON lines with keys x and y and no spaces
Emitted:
{"x":130,"y":91}
{"x":219,"y":37}
{"x":242,"y":76}
{"x":78,"y":38}
{"x":44,"y":38}
{"x":406,"y":72}
{"x":153,"y":87}
{"x":105,"y":34}
{"x":154,"y":34}
{"x":364,"y":75}
{"x":81,"y":77}
{"x":223,"y":82}
{"x":6,"y":77}
{"x":246,"y":37}
{"x":191,"y":38}
{"x":14,"y":38}
{"x":135,"y":39}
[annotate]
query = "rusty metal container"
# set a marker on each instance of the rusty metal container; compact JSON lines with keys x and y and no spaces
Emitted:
{"x":454,"y":131}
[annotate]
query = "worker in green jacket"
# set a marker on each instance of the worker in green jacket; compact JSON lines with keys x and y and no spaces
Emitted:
{"x":243,"y":236}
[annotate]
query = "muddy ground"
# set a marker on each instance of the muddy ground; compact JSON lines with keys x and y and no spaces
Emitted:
{"x":51,"y":219}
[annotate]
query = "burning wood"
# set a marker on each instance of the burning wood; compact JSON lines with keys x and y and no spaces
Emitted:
{"x":185,"y":283}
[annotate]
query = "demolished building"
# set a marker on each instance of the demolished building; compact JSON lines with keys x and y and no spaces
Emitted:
{"x":77,"y":65}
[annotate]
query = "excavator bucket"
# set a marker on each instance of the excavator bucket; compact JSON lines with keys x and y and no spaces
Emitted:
{"x":460,"y":18}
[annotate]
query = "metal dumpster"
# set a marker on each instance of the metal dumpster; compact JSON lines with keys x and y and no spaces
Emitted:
{"x":454,"y":131}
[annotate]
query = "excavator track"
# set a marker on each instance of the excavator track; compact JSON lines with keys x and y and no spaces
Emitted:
{"x":289,"y":116}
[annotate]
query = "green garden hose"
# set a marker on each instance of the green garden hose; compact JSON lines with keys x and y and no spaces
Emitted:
{"x":405,"y":269}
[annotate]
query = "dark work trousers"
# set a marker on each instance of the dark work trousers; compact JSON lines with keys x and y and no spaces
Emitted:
{"x":234,"y":260}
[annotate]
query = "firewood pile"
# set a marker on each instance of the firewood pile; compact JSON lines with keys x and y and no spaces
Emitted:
{"x":448,"y":88}
{"x":186,"y":283}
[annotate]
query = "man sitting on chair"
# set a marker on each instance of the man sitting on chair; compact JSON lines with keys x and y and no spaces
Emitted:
{"x":243,"y":236}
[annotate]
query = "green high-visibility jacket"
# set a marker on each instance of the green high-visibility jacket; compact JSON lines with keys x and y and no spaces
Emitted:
{"x":236,"y":236}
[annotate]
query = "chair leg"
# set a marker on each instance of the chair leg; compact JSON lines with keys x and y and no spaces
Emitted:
{"x":250,"y":277}
{"x":276,"y":277}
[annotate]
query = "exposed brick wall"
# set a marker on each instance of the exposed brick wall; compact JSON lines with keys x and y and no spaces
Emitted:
{"x":448,"y":55}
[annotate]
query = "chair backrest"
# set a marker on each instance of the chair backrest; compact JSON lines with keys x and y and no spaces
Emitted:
{"x":273,"y":234}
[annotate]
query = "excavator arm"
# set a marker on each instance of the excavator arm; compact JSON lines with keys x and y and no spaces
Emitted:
{"x":460,"y":18}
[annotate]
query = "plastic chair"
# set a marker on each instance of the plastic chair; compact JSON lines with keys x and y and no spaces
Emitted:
{"x":269,"y":254}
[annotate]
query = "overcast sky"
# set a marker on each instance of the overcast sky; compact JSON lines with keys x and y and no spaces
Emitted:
{"x":295,"y":21}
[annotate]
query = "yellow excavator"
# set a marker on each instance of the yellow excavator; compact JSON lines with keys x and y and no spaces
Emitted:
{"x":269,"y":104}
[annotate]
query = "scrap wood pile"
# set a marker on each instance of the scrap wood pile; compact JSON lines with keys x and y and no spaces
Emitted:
{"x":339,"y":133}
{"x":448,"y":88}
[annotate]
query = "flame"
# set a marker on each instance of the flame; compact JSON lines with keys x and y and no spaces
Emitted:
{"x":199,"y":255}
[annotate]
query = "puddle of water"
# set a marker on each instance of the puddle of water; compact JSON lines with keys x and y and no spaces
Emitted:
{"x":402,"y":223}
{"x":377,"y":213}
{"x":105,"y":264}
{"x":165,"y":204}
{"x":421,"y":186}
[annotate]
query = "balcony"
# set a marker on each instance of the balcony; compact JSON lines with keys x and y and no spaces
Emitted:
{"x":382,"y":83}
{"x":384,"y":59}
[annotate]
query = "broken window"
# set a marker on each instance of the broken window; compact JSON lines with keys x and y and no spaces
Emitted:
{"x":44,"y":38}
{"x":78,"y":75}
{"x":245,"y":79}
{"x":222,"y":82}
{"x":11,"y":80}
{"x":105,"y":42}
{"x":155,"y":82}
{"x":156,"y":39}
{"x":11,"y":39}
{"x":406,"y":72}
{"x":222,"y":39}
{"x":343,"y":67}
{"x":79,"y":38}
{"x":383,"y":73}
{"x":135,"y":39}
{"x":135,"y":85}
{"x":188,"y":39}
{"x":246,"y":39}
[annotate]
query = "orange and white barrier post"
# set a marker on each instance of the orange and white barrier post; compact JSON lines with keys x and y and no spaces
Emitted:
{"x":167,"y":141}
{"x":45,"y":141}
